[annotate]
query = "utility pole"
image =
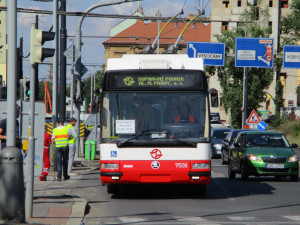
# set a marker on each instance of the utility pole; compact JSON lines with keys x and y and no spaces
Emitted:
{"x":79,"y":64}
{"x":63,"y":43}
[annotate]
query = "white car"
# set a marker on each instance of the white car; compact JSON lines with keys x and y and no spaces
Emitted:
{"x":218,"y":124}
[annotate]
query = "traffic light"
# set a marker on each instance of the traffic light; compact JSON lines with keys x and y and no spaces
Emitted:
{"x":27,"y":90}
{"x":79,"y":91}
{"x":38,"y":38}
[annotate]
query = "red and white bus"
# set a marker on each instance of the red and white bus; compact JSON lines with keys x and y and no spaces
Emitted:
{"x":155,"y":124}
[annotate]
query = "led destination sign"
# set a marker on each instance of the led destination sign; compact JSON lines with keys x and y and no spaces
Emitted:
{"x":155,"y":80}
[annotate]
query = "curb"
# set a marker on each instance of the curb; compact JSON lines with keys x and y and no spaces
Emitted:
{"x":78,"y":210}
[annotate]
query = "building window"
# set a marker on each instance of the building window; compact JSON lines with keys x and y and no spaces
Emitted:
{"x":270,"y":3}
{"x":283,"y":78}
{"x":284,"y":3}
{"x":239,"y":3}
{"x":251,"y":2}
{"x":224,"y":25}
{"x":270,"y":26}
{"x":225,"y":3}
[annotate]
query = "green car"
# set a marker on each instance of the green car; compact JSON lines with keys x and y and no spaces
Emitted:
{"x":262,"y":153}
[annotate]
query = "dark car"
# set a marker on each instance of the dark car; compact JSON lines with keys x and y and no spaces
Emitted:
{"x":217,"y":137}
{"x":227,"y":142}
{"x":262,"y":153}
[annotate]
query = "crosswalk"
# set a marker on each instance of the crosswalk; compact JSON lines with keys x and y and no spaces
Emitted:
{"x":193,"y":220}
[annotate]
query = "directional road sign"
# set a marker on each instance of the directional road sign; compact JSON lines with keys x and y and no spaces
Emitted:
{"x":291,"y":56}
{"x":254,"y":52}
{"x":212,"y":53}
{"x":261,"y":125}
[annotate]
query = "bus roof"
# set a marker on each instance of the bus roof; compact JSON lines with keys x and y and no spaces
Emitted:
{"x":155,"y":61}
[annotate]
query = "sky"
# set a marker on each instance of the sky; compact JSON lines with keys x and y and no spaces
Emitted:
{"x":92,"y":52}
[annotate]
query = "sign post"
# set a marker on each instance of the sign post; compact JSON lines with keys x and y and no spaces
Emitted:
{"x":253,"y":52}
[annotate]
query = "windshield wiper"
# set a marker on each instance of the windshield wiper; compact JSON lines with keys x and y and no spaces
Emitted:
{"x":139,"y":134}
{"x":192,"y":144}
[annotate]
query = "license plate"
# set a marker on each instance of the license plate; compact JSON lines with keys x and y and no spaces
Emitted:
{"x":275,"y":166}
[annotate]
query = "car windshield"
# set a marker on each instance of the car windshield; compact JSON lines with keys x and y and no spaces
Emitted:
{"x":220,"y":134}
{"x":148,"y":117}
{"x":266,"y":140}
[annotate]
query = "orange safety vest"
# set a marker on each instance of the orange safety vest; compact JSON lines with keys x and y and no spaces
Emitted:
{"x":191,"y":118}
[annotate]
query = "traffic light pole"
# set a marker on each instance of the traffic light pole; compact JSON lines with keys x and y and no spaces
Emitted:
{"x":31,"y":148}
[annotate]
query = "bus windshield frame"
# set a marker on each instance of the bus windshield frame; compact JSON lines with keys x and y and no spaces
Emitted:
{"x":149,"y":115}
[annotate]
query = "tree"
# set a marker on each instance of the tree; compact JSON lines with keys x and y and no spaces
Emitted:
{"x":231,"y":77}
{"x":290,"y":24}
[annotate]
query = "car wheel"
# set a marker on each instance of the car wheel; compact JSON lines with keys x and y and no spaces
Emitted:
{"x":231,"y":173}
{"x":244,"y":174}
{"x":294,"y":178}
{"x":113,"y":189}
{"x":222,"y":159}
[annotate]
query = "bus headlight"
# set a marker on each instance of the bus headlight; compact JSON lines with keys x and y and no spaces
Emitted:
{"x":106,"y":166}
{"x":197,"y":166}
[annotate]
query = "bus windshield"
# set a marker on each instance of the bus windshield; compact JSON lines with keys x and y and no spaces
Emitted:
{"x":158,"y":118}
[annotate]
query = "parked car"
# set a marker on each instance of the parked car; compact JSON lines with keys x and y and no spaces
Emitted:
{"x":217,"y":137}
{"x":227,"y":142}
{"x":268,"y":118}
{"x":215,"y":116}
{"x":262,"y":153}
{"x":218,"y":124}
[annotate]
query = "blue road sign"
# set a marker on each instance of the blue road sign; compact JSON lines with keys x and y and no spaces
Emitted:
{"x":291,"y":56}
{"x":261,"y":125}
{"x":254,"y":52}
{"x":212,"y":53}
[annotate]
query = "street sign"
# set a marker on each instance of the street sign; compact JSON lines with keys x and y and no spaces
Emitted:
{"x":253,"y":118}
{"x":261,"y":125}
{"x":254,"y":52}
{"x":291,"y":56}
{"x":267,"y":96}
{"x":83,"y":68}
{"x":212,"y":53}
{"x":72,"y":50}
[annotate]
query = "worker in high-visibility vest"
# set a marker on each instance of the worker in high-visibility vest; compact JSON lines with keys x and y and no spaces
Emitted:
{"x":72,"y":144}
{"x":60,"y":137}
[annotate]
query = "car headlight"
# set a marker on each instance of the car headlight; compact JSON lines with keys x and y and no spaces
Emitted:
{"x":293,"y":158}
{"x":201,"y":166}
{"x":252,"y":157}
{"x":217,"y":146}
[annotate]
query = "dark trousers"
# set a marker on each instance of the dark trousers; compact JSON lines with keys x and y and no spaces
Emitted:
{"x":62,"y":158}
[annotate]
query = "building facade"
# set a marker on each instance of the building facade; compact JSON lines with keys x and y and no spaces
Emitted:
{"x":228,"y":12}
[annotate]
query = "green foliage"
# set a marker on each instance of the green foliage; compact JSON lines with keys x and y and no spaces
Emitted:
{"x":231,"y":77}
{"x":290,"y":24}
{"x":278,"y":96}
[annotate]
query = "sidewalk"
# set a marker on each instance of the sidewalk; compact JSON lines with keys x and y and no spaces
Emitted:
{"x":56,"y":202}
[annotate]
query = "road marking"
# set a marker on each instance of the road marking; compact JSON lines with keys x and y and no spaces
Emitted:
{"x":127,"y":219}
{"x":241,"y":218}
{"x":295,"y":218}
{"x":190,"y":219}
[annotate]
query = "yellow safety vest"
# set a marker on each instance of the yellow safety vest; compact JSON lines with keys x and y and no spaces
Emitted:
{"x":73,"y":140}
{"x":61,"y":137}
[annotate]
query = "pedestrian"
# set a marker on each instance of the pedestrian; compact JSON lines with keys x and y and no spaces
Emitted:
{"x":72,"y":144}
{"x":46,"y":156}
{"x":3,"y":130}
{"x":60,"y":137}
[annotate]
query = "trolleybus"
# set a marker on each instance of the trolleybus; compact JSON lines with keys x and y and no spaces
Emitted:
{"x":155,"y":122}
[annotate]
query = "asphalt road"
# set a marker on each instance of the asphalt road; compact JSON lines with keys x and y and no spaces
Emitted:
{"x":257,"y":201}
